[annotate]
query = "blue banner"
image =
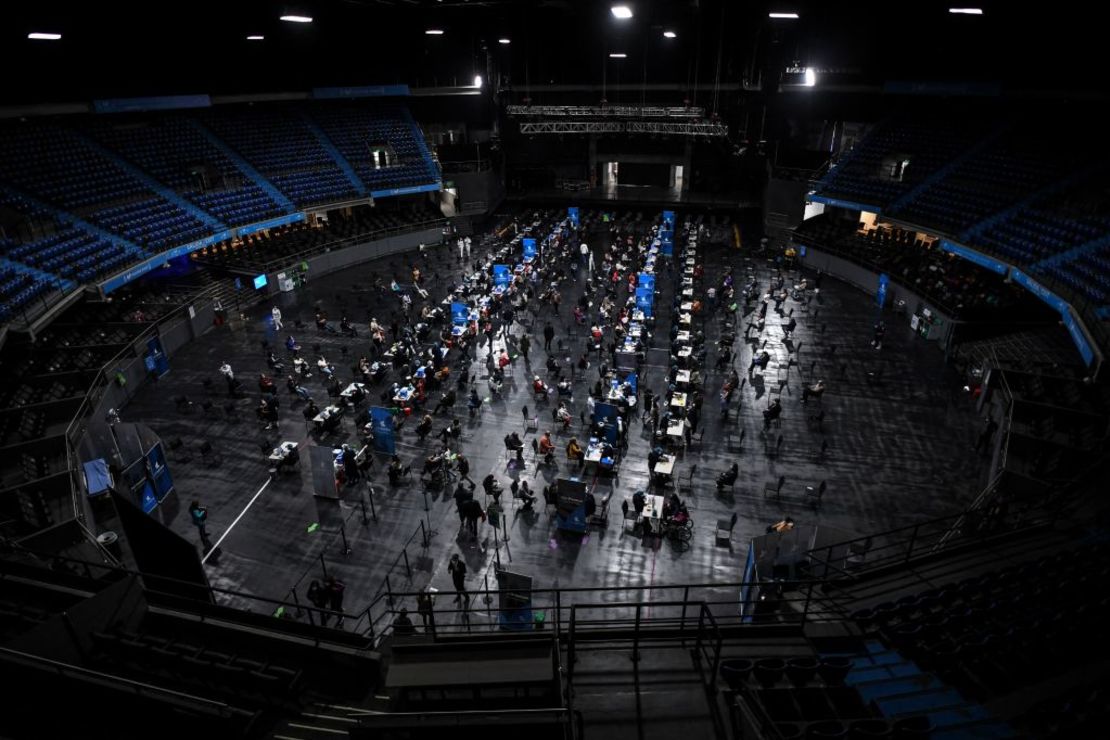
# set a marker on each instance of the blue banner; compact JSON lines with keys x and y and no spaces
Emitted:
{"x":502,"y":275}
{"x":136,"y":271}
{"x":159,"y":473}
{"x":646,"y":281}
{"x":155,"y":359}
{"x":668,"y":217}
{"x":972,"y":256}
{"x":666,"y":247}
{"x":572,"y":214}
{"x":645,"y":301}
{"x":631,"y":379}
{"x":167,"y":102}
{"x":880,"y":294}
{"x":459,"y":313}
{"x":529,"y":248}
{"x":406,"y":191}
{"x":381,"y":420}
{"x":361,"y":91}
{"x":607,"y":414}
{"x":290,"y":218}
{"x":147,"y":500}
{"x":1040,"y":291}
{"x":838,"y":203}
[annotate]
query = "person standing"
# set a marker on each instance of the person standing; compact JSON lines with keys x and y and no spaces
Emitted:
{"x":199,"y":515}
{"x":229,"y":376}
{"x":276,"y":313}
{"x":525,"y":345}
{"x":472,"y":512}
{"x":425,"y":603}
{"x":335,"y":588}
{"x":457,"y":569}
{"x":584,"y":250}
{"x":548,"y":335}
{"x":318,"y":597}
{"x":350,"y":465}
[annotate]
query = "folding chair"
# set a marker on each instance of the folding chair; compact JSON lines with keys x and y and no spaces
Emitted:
{"x":813,"y":495}
{"x":725,"y":527}
{"x":774,"y":489}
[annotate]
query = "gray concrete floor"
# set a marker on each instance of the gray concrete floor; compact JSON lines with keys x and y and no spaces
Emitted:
{"x":898,"y":453}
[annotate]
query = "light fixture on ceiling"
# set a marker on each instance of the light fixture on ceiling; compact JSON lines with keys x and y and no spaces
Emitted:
{"x":504,"y":41}
{"x":477,"y":81}
{"x":434,"y":32}
{"x":297,"y":18}
{"x":783,"y":16}
{"x":617,"y":55}
{"x":810,"y":77}
{"x":621,"y":11}
{"x":669,"y":34}
{"x":966,"y":11}
{"x":40,"y":36}
{"x":255,"y":38}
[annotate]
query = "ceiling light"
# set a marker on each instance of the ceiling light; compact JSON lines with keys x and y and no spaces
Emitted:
{"x":44,"y":36}
{"x":297,"y":18}
{"x":434,"y":32}
{"x":477,"y":80}
{"x":810,"y":77}
{"x":504,"y":41}
{"x":966,"y":11}
{"x":784,"y":16}
{"x":617,"y":56}
{"x":669,"y":34}
{"x":621,"y":11}
{"x":255,"y":38}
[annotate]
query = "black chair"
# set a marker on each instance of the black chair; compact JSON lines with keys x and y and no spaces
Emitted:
{"x":801,"y":671}
{"x":769,"y":671}
{"x":735,"y":672}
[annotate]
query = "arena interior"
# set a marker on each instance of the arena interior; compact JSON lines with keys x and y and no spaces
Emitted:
{"x":390,"y":368}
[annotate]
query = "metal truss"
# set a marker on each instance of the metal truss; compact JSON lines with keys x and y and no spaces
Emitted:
{"x":666,"y":128}
{"x":608,"y":111}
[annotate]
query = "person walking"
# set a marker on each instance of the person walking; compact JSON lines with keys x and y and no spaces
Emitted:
{"x":276,"y":313}
{"x":525,"y":345}
{"x":457,"y":569}
{"x":472,"y":512}
{"x":318,"y":597}
{"x":335,"y":589}
{"x":199,"y":515}
{"x":425,"y":604}
{"x":461,"y":496}
{"x":548,"y":335}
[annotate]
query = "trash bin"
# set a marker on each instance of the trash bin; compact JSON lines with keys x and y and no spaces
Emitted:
{"x":110,"y":541}
{"x":538,"y":619}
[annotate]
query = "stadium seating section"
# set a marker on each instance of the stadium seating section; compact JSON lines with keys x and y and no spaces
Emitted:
{"x":90,"y":195}
{"x":1004,"y":188}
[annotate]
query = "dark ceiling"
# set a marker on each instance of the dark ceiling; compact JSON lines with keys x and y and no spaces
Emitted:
{"x":117,"y":49}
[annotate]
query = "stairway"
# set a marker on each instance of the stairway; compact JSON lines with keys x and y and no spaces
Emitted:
{"x":322,"y":720}
{"x":335,"y":154}
{"x":897,"y":687}
{"x":151,"y":184}
{"x":268,"y":187}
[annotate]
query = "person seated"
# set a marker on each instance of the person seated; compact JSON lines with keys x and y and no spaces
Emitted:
{"x":554,"y":367}
{"x":274,"y":363}
{"x":424,"y":427}
{"x":496,"y":384}
{"x":503,"y":360}
{"x":538,"y":386}
{"x":324,"y":366}
{"x":783,"y":526}
{"x":514,"y":443}
{"x":266,"y":384}
{"x":523,"y":493}
{"x":297,"y":389}
{"x":402,"y":624}
{"x":300,"y":367}
{"x":347,"y":328}
{"x":546,"y":447}
{"x":815,"y":390}
{"x":267,"y":412}
{"x":639,"y":501}
{"x":565,"y":388}
{"x":728,"y":478}
{"x":575,"y":451}
{"x":433,"y":466}
{"x":491,"y":486}
{"x":335,"y":388}
{"x":454,"y":429}
{"x":378,"y":371}
{"x":310,"y":410}
{"x":446,"y":400}
{"x":654,"y":456}
{"x":291,"y":344}
{"x":563,"y":414}
{"x":396,"y":470}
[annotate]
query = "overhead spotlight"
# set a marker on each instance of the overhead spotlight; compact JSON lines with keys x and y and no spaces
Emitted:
{"x":477,"y":81}
{"x":504,"y":41}
{"x":255,"y":38}
{"x":618,"y":56}
{"x":783,"y":16}
{"x":39,"y":36}
{"x":669,"y":34}
{"x":434,"y":32}
{"x":810,"y":77}
{"x":621,"y":11}
{"x":966,"y":11}
{"x":297,"y":18}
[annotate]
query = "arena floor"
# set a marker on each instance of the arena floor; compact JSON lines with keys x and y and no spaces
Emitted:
{"x":899,"y":453}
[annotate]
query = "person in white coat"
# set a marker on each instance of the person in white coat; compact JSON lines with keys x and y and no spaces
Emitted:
{"x":276,"y":313}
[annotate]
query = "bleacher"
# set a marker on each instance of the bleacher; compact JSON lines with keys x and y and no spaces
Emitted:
{"x":355,"y":130}
{"x":280,"y":145}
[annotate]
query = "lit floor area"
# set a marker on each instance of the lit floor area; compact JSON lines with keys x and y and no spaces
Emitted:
{"x":898,"y":452}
